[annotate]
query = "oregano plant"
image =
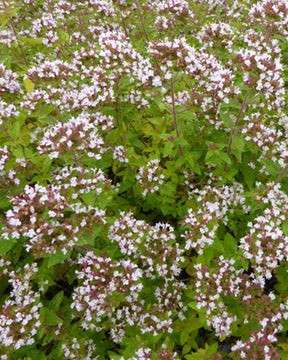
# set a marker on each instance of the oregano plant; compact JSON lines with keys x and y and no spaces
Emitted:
{"x":143,"y":180}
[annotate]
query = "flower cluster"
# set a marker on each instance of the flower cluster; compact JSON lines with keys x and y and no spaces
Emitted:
{"x":102,"y":278}
{"x":118,"y":55}
{"x":76,"y":181}
{"x":151,"y":245}
{"x":7,"y":38}
{"x":265,"y":246}
{"x":7,"y":111}
{"x":19,"y":316}
{"x":271,"y":141}
{"x":114,"y":289}
{"x":39,"y":215}
{"x":258,"y":345}
{"x":219,"y":35}
{"x":77,"y":136}
{"x":169,"y":13}
{"x":8,"y":80}
{"x":75,"y":350}
{"x":262,"y":73}
{"x":8,"y":175}
{"x":119,"y":154}
{"x":150,"y":177}
{"x":216,"y":203}
{"x":47,"y":70}
{"x":211,"y":83}
{"x":215,"y":290}
{"x":147,"y":354}
{"x":272,"y":15}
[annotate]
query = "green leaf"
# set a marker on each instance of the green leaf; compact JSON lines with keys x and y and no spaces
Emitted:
{"x":4,"y":21}
{"x":15,"y":130}
{"x":237,"y":148}
{"x":16,"y":252}
{"x":168,"y":149}
{"x":195,"y":323}
{"x":114,"y":356}
{"x":49,"y":317}
{"x":212,"y":349}
{"x":217,"y":157}
{"x":284,"y":355}
{"x":193,"y":305}
{"x":128,"y":181}
{"x":230,"y":244}
{"x":186,"y":349}
{"x":6,"y":245}
{"x":196,"y":356}
{"x":4,"y":201}
{"x":285,"y":228}
{"x":36,"y":355}
{"x":249,"y":176}
{"x":190,"y":270}
{"x":58,"y":258}
{"x":183,"y":337}
{"x":56,"y":301}
{"x":31,"y":41}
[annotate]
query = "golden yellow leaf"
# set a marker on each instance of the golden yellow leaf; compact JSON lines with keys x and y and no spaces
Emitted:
{"x":29,"y":85}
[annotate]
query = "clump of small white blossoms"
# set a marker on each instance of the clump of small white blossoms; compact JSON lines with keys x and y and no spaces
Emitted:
{"x":150,"y":177}
{"x":211,"y":83}
{"x":136,"y":97}
{"x":4,"y":267}
{"x":8,"y":80}
{"x":180,"y":98}
{"x":38,"y":214}
{"x":6,"y":171}
{"x":19,"y":317}
{"x":76,"y":181}
{"x":220,"y":35}
{"x":150,"y":253}
{"x":154,"y":246}
{"x":77,"y":136}
{"x":262,"y":72}
{"x":129,"y":233}
{"x":77,"y":349}
{"x":215,"y":286}
{"x":47,"y":70}
{"x":8,"y":85}
{"x":7,"y":111}
{"x":95,"y":298}
{"x":45,"y":26}
{"x":272,"y":15}
{"x":224,"y":281}
{"x":7,"y":38}
{"x":169,"y":13}
{"x":266,"y":245}
{"x":271,"y":140}
{"x":149,"y":354}
{"x":142,"y":354}
{"x":119,"y":153}
{"x":215,"y":203}
{"x":116,"y":49}
{"x":258,"y":346}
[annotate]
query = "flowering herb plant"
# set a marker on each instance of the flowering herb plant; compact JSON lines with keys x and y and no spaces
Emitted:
{"x":144,"y":179}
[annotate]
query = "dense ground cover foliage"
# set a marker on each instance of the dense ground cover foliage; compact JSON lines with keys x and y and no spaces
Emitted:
{"x":143,"y":190}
